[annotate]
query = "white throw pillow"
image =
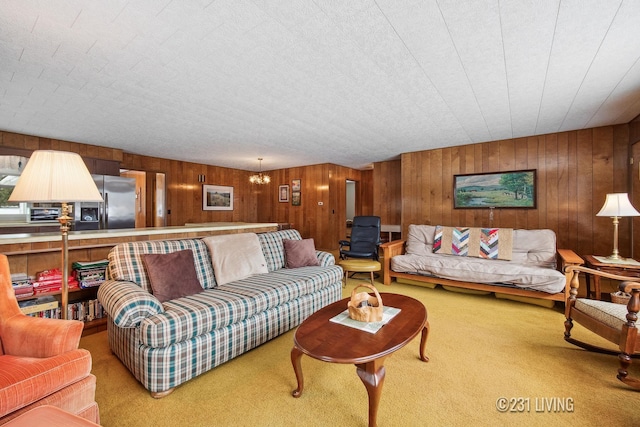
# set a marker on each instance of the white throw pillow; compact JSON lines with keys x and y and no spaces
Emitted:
{"x":235,"y":256}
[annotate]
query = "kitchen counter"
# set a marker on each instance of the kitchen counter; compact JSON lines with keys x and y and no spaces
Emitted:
{"x":52,"y":241}
{"x":27,"y":224}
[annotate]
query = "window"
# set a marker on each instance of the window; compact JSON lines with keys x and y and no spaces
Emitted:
{"x":10,"y":168}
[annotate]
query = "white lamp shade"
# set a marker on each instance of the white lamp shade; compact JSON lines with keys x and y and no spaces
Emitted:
{"x":55,"y":176}
{"x":617,"y":204}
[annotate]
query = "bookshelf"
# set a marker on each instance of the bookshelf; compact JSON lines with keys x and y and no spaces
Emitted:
{"x":76,"y":295}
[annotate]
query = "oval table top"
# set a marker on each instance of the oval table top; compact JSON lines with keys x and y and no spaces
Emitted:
{"x":321,"y":339}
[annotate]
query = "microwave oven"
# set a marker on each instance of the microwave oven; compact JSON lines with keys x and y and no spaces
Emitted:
{"x":38,"y":214}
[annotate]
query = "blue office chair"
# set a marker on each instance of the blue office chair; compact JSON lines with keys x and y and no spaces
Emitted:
{"x":365,"y":239}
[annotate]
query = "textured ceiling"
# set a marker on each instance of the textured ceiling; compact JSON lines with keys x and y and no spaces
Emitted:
{"x":297,"y":82}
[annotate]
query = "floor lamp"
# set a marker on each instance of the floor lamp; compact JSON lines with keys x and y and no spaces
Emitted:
{"x":617,"y":205}
{"x":57,"y":177}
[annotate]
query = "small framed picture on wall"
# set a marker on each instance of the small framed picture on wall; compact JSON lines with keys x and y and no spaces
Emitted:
{"x":217,"y":198}
{"x":296,"y":198}
{"x":283,"y":193}
{"x":296,"y":184}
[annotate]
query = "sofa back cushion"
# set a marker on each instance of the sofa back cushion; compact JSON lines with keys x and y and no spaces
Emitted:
{"x":273,"y":247}
{"x":125,"y":260}
{"x":530,"y":247}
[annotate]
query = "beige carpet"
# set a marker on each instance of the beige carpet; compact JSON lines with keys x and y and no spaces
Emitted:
{"x":481,"y":349}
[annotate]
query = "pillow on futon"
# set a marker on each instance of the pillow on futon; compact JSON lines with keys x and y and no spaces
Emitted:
{"x":172,"y":275}
{"x":235,"y":256}
{"x":300,"y":253}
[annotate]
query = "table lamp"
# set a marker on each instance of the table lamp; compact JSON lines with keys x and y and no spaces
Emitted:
{"x":57,"y":177}
{"x":617,"y":205}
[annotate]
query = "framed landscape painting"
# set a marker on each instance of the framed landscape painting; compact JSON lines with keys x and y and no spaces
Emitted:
{"x":217,"y":198}
{"x":512,"y":189}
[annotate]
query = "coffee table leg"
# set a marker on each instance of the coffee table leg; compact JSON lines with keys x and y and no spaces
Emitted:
{"x":423,"y":342}
{"x":372,"y":376}
{"x":296,"y":356}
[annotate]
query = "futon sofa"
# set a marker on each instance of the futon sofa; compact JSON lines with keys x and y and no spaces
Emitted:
{"x":248,"y":297}
{"x":529,"y":267}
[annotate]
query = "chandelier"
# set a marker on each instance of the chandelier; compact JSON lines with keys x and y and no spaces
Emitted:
{"x":259,"y":178}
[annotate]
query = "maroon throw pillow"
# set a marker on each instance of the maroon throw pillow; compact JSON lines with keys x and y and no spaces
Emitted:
{"x":300,"y":253}
{"x":172,"y":275}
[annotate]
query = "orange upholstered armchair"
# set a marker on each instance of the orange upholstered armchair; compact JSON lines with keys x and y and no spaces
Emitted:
{"x":40,"y":363}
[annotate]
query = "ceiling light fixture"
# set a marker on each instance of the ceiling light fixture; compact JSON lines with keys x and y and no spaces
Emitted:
{"x":260,"y":178}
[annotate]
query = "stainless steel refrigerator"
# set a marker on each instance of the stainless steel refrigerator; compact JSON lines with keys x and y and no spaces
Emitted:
{"x":117,"y":210}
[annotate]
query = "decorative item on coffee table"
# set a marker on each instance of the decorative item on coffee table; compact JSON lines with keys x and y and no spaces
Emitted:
{"x":364,"y":307}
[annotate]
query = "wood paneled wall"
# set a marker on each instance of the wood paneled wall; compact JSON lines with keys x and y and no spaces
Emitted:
{"x":575,"y":170}
{"x":31,"y":143}
{"x":322,"y":212}
{"x":184,"y":192}
{"x":387,"y":200}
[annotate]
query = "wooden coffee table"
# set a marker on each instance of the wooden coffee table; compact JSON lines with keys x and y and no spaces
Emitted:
{"x":321,"y":339}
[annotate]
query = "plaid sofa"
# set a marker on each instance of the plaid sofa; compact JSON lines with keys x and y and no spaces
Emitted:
{"x":164,"y":345}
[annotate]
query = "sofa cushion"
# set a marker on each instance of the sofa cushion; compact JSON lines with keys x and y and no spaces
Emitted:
{"x":478,"y":270}
{"x":125,"y":260}
{"x":314,"y":278}
{"x":268,"y":290}
{"x":172,"y":275}
{"x":273,"y":248}
{"x":300,"y":253}
{"x":235,"y":256}
{"x":191,"y":316}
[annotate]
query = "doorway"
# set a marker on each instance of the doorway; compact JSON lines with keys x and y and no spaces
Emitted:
{"x":159,"y":201}
{"x":350,"y":202}
{"x":154,"y":184}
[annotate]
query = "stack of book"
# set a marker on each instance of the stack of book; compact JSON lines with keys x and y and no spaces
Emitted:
{"x":46,"y":306}
{"x":22,"y":285}
{"x":85,"y":311}
{"x":51,"y":281}
{"x":91,"y":273}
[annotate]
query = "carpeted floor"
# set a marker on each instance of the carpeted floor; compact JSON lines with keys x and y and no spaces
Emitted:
{"x":481,"y":349}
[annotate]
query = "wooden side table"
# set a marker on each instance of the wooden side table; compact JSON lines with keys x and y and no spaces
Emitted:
{"x":627,"y":270}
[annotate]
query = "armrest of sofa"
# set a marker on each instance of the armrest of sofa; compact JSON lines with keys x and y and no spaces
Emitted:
{"x":127,"y":303}
{"x":27,"y":336}
{"x":325,"y":258}
{"x":389,"y":250}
